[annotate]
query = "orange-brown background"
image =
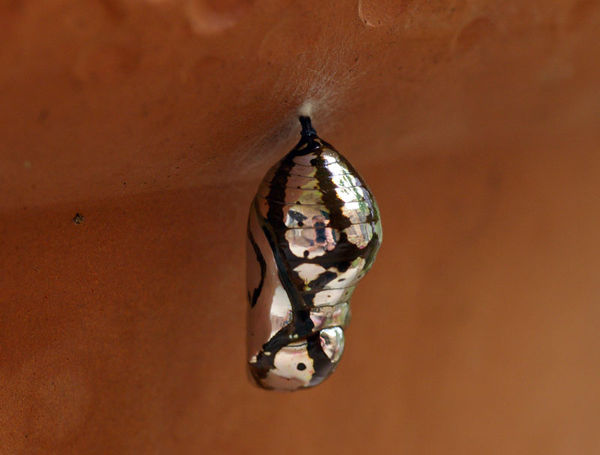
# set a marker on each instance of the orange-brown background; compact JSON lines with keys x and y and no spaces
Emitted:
{"x":476,"y":123}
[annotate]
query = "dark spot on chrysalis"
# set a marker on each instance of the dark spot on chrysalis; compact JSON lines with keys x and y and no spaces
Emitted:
{"x":301,"y":366}
{"x":300,"y":223}
{"x":305,"y":253}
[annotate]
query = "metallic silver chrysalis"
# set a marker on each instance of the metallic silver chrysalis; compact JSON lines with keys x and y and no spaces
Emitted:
{"x":313,"y":233}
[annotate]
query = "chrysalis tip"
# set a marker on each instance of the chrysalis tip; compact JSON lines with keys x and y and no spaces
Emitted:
{"x":307,"y":128}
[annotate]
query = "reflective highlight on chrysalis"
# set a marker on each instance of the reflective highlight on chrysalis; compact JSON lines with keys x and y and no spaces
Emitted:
{"x":313,"y":233}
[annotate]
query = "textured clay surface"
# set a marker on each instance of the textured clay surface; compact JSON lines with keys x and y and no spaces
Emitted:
{"x":476,"y":124}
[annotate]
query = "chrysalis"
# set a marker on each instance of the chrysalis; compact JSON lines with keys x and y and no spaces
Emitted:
{"x":313,"y":233}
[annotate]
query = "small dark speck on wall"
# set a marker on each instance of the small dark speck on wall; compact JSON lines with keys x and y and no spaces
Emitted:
{"x":78,"y":218}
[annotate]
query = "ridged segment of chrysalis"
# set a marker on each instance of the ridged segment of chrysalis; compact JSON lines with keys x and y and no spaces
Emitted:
{"x":313,"y":233}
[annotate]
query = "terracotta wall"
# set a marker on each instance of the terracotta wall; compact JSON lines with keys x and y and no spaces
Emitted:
{"x":476,"y":123}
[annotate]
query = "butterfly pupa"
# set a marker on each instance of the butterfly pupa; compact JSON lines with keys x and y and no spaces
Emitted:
{"x":313,"y":232}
